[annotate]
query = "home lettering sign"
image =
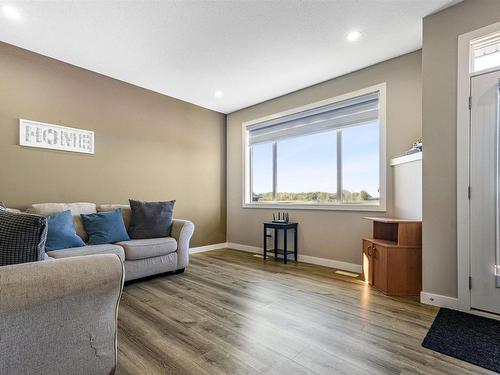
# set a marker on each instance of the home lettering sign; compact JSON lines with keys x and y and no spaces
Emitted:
{"x":55,"y":137}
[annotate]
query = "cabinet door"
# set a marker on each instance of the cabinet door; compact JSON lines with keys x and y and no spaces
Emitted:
{"x":368,"y":261}
{"x":379,"y":255}
{"x":405,"y":271}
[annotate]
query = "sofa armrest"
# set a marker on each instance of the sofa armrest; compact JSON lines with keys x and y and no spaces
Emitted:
{"x":60,"y":316}
{"x":182,"y":231}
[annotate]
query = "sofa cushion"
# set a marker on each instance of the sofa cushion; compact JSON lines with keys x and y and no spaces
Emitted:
{"x":135,"y":269}
{"x":46,"y":209}
{"x":125,"y":208}
{"x":148,"y":248}
{"x":105,"y":227}
{"x":61,"y":232}
{"x":88,"y":250}
{"x":150,"y":219}
{"x":13,"y":210}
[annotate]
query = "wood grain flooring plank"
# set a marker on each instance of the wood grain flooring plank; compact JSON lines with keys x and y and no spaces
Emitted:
{"x":231,"y":312}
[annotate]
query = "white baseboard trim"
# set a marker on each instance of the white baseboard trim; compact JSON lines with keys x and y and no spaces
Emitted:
{"x":247,"y":248}
{"x":439,"y":300}
{"x":201,"y":249}
{"x":351,"y":267}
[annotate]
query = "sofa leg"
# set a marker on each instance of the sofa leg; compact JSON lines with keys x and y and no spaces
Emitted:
{"x":179,"y":271}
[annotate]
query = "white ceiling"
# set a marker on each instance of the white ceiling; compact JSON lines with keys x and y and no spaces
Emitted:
{"x":252,"y":51}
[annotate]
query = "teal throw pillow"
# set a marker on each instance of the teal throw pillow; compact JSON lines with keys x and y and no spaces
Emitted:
{"x":61,"y":232}
{"x":105,"y":227}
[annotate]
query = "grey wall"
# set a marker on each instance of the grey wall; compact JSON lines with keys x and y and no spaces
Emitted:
{"x":327,"y":234}
{"x":147,"y":145}
{"x":439,"y":71}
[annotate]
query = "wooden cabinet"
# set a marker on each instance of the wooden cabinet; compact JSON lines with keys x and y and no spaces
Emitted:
{"x":392,"y":259}
{"x":368,"y":261}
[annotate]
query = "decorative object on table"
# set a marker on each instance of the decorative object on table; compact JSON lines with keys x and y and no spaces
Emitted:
{"x":55,"y":137}
{"x":22,"y":238}
{"x":468,"y":337}
{"x":282,"y":217}
{"x":416,"y":147}
{"x":284,"y":226}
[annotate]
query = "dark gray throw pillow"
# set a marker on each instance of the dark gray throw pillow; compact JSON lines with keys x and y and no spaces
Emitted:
{"x":150,"y":219}
{"x":22,"y":237}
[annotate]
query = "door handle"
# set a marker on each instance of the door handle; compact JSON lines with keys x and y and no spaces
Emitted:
{"x":369,"y":250}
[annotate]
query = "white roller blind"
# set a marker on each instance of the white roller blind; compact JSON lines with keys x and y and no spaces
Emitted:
{"x":355,"y":111}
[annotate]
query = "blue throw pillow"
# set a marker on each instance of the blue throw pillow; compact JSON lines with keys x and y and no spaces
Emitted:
{"x":61,"y":232}
{"x":105,"y":227}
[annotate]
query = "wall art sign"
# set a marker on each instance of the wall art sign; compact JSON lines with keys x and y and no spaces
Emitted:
{"x":55,"y":137}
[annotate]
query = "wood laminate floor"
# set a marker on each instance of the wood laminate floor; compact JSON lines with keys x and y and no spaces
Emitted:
{"x":234,"y":313}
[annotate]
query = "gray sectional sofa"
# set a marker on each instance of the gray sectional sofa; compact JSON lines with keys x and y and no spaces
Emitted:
{"x":60,"y":317}
{"x":141,"y":258}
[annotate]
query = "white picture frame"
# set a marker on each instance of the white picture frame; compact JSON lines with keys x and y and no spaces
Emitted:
{"x":55,"y":137}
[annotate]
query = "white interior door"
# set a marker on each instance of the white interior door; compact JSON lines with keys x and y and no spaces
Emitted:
{"x":484,"y":198}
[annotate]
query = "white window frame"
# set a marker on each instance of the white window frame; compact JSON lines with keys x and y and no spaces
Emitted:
{"x":246,"y":167}
{"x":470,"y":45}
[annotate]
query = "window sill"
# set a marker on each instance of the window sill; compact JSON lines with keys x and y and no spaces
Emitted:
{"x":323,"y":207}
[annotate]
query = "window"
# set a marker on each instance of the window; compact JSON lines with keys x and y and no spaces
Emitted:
{"x":307,"y":169}
{"x":327,"y":155}
{"x":361,"y":160}
{"x":485,"y":53}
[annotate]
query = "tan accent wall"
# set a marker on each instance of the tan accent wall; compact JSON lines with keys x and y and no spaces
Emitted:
{"x":147,"y":146}
{"x":328,"y":234}
{"x":439,"y":70}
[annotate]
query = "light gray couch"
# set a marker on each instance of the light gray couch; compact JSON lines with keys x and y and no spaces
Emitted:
{"x":141,"y":258}
{"x":60,"y":316}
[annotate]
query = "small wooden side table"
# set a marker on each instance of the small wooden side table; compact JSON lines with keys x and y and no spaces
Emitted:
{"x":285,"y":227}
{"x":392,"y":258}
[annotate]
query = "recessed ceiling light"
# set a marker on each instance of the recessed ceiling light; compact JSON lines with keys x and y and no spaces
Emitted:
{"x":11,"y":12}
{"x":353,"y":36}
{"x":219,"y":94}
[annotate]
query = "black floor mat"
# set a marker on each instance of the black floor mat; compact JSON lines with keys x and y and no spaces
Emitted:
{"x":468,"y":337}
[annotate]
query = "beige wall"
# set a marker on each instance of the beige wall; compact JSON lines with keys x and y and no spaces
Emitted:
{"x":439,"y":70}
{"x":148,"y":146}
{"x":327,"y":234}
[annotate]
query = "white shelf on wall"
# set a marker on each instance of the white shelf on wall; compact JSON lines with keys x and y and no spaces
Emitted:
{"x":406,"y":159}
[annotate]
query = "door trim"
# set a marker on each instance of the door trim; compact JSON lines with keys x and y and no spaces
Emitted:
{"x":463,"y":165}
